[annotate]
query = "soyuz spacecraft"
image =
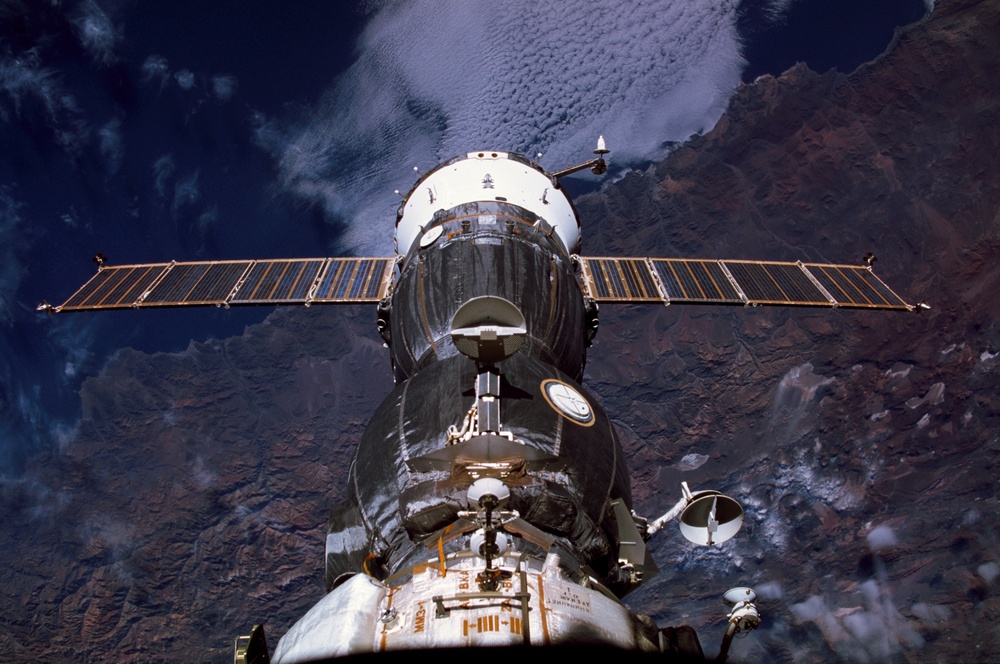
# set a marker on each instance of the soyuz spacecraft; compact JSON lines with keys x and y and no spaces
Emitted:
{"x":488,"y":502}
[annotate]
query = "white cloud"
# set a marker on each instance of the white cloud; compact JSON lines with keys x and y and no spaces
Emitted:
{"x":185,"y":79}
{"x":207,"y":219}
{"x":163,"y":171}
{"x":107,"y":534}
{"x":872,"y":630}
{"x":75,"y":339}
{"x":13,"y":242}
{"x":531,"y":77}
{"x":769,"y":591}
{"x":692,"y":461}
{"x":203,"y":477}
{"x":778,"y":9}
{"x":794,"y":403}
{"x":881,"y":537}
{"x":155,"y":68}
{"x":989,"y":571}
{"x":223,"y":87}
{"x":111,"y":144}
{"x":96,"y":32}
{"x":186,"y":192}
{"x":71,"y":218}
{"x":930,"y":613}
{"x":934,"y":396}
{"x":64,"y":435}
{"x":26,"y":87}
{"x":18,"y":80}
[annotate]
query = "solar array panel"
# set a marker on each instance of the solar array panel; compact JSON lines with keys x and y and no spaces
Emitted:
{"x":225,"y":283}
{"x":695,"y":281}
{"x":622,"y":279}
{"x":354,"y":280}
{"x":350,"y":280}
{"x":278,"y":282}
{"x":195,"y":283}
{"x":115,"y":287}
{"x":748,"y":283}
{"x":776,"y":283}
{"x":856,"y":285}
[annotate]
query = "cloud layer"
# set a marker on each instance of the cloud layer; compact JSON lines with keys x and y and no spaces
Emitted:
{"x":519,"y":76}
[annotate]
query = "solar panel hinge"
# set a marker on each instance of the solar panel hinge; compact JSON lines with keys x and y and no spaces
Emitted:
{"x":585,"y":272}
{"x":156,"y":282}
{"x":239,"y":284}
{"x":320,"y":274}
{"x":735,"y":285}
{"x":661,"y":289}
{"x":818,"y":285}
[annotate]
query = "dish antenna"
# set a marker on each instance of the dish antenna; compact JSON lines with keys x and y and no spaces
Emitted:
{"x":488,"y":329}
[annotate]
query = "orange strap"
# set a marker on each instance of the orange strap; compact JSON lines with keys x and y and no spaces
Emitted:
{"x":444,"y":569}
{"x":370,"y":556}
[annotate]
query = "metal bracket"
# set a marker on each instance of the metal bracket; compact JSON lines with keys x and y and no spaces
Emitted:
{"x":736,"y":286}
{"x":462,"y":599}
{"x":239,"y":284}
{"x":818,"y":285}
{"x":658,"y":282}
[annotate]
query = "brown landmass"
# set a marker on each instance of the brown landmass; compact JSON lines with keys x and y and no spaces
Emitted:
{"x":191,"y":503}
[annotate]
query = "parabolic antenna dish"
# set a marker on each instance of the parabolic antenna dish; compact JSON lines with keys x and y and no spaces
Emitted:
{"x":711,"y":518}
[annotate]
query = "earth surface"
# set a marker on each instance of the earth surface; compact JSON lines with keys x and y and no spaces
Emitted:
{"x":168,"y":474}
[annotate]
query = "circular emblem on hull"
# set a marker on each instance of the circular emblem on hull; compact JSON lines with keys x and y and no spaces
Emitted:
{"x":430,"y":237}
{"x":568,"y":402}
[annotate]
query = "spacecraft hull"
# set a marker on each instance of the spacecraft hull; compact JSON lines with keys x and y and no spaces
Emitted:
{"x":486,"y":176}
{"x":420,"y":555}
{"x":438,"y":608}
{"x":487,"y":248}
{"x":408,"y":482}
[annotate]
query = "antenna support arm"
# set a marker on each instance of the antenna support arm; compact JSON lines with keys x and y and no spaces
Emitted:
{"x":672,"y":514}
{"x":597,"y":165}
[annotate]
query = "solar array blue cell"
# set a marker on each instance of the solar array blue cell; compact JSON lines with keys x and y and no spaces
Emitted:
{"x":89,"y":292}
{"x":279,"y":281}
{"x":635,"y":272}
{"x":854,"y":286}
{"x":353,"y":280}
{"x":362,"y":278}
{"x":197,"y":283}
{"x":600,"y":286}
{"x":775,"y":283}
{"x":114,"y":287}
{"x":623,"y":279}
{"x":218,"y":282}
{"x":695,"y":281}
{"x":177,"y":283}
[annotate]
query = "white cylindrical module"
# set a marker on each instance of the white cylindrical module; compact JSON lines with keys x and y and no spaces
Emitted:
{"x":487,"y":176}
{"x":438,"y":606}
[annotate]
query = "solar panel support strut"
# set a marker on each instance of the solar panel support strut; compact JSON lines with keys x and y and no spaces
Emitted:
{"x":736,"y":285}
{"x":817,"y":284}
